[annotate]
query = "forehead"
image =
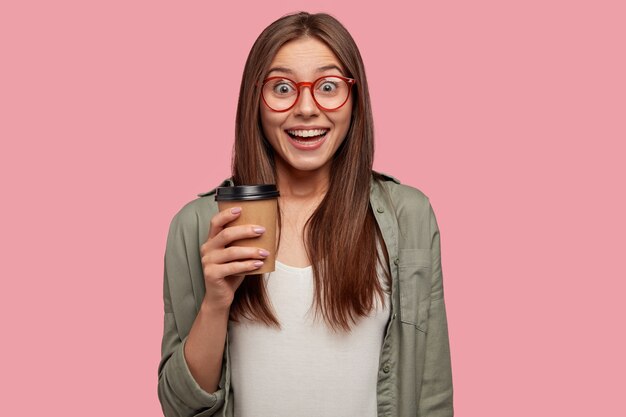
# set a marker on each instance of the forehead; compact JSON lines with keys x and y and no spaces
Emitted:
{"x":305,"y":57}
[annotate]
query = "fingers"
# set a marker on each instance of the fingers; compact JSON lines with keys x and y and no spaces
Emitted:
{"x":237,"y":253}
{"x":232,"y":268}
{"x":221,"y":219}
{"x":219,"y":259}
{"x":233,"y":233}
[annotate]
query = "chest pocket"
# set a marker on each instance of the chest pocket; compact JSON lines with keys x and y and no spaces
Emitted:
{"x":414,"y":273}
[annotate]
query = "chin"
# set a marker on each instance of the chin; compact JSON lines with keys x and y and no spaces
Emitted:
{"x":304,"y":165}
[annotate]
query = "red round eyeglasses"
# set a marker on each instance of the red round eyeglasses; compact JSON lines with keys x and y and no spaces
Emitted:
{"x":329,"y":92}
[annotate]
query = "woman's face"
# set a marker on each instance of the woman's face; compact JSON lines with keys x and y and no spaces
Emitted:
{"x":301,"y":60}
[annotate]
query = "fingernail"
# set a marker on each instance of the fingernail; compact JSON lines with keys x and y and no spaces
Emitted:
{"x":258,"y":230}
{"x":258,"y":263}
{"x":263,"y":253}
{"x":235,"y":210}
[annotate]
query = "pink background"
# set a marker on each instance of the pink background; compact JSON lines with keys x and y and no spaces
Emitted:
{"x":510,"y":116}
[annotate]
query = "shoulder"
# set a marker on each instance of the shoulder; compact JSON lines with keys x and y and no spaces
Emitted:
{"x":196,"y":213}
{"x":412,"y":210}
{"x":402,"y":197}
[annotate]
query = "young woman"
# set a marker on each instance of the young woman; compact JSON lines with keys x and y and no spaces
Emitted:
{"x":352,"y":322}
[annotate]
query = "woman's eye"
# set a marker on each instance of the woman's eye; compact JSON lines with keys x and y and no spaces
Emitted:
{"x":328,"y":87}
{"x":283,"y":88}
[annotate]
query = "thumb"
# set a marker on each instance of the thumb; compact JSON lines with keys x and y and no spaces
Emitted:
{"x":236,"y":280}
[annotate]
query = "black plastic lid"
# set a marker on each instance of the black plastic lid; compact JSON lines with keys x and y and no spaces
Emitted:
{"x":246,"y":192}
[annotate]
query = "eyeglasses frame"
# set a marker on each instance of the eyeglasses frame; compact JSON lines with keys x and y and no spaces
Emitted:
{"x":349,"y":81}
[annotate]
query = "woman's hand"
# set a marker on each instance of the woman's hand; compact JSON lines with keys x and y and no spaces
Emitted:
{"x":224,"y":267}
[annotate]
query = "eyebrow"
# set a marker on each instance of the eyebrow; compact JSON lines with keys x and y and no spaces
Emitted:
{"x":320,"y":69}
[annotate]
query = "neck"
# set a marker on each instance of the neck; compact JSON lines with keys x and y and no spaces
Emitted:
{"x":302,"y":185}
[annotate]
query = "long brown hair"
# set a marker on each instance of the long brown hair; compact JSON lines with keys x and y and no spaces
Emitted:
{"x":340,"y":238}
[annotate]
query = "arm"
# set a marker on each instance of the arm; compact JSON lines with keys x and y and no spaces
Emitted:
{"x":436,"y":395}
{"x":179,"y":393}
{"x":199,"y":287}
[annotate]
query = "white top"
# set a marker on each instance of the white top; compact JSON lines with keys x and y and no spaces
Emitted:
{"x":304,"y":369}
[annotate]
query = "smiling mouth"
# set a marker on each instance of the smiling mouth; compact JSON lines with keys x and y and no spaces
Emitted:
{"x":307,"y":140}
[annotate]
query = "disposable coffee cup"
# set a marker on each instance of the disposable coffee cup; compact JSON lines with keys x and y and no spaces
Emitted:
{"x":259,"y":206}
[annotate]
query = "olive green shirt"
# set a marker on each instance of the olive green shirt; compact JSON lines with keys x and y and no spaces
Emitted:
{"x":414,"y":377}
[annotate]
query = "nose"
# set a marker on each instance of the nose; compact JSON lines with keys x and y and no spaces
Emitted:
{"x":306,"y":105}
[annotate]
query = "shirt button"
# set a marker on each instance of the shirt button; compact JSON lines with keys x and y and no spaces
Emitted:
{"x":396,"y":261}
{"x":386,"y":369}
{"x":380,"y":210}
{"x":394,"y":315}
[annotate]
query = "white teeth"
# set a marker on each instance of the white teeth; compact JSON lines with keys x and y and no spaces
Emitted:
{"x":308,"y":142}
{"x":307,"y":133}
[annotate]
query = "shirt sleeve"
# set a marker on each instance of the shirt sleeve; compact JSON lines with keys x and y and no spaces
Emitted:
{"x":179,"y":393}
{"x":436,"y":394}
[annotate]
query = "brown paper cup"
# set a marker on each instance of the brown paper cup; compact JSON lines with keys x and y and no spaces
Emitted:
{"x":261,"y":211}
